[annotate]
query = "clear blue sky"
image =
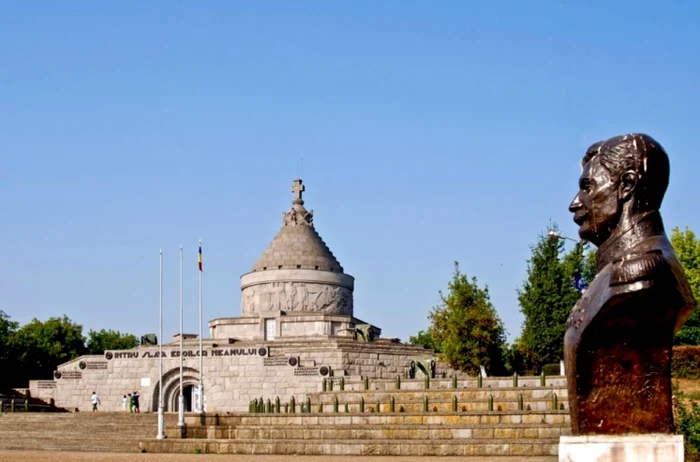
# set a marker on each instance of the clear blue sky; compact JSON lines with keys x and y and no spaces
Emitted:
{"x":431,"y":132}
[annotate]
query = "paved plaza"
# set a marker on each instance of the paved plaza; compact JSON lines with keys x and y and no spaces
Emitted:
{"x":49,"y":456}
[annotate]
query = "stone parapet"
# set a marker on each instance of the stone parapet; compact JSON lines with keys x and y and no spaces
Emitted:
{"x":388,"y":447}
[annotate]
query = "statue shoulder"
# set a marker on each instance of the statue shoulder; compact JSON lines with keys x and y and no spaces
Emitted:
{"x":637,"y":267}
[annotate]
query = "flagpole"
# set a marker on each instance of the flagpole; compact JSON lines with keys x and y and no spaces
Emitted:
{"x":181,"y":398}
{"x":201,"y":350}
{"x":161,"y":416}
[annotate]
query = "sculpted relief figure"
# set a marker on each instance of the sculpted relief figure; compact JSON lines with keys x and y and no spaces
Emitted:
{"x":295,"y":296}
{"x":325,"y":299}
{"x":290,"y":295}
{"x":278,"y":295}
{"x":303,"y":297}
{"x":249,"y":300}
{"x":619,"y":337}
{"x":344,"y":304}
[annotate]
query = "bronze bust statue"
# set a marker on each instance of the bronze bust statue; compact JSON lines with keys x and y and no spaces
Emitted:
{"x":619,"y":336}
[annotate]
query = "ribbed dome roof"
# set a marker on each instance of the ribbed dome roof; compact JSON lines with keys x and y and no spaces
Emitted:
{"x":297,"y":245}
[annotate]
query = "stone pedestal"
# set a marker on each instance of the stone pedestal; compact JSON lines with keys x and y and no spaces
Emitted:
{"x":619,"y":448}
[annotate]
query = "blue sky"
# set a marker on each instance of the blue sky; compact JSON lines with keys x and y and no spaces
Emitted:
{"x":430,"y":132}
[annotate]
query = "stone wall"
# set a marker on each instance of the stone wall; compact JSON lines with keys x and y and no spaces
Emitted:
{"x":233,"y":374}
{"x":295,"y":325}
{"x":237,"y":328}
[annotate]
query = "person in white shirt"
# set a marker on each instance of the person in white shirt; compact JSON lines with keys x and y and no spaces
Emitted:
{"x":125,"y":404}
{"x":95,"y":401}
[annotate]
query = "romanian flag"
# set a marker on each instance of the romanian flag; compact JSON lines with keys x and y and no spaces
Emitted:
{"x":199,"y":257}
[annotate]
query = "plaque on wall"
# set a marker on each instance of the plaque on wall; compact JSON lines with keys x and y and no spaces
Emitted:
{"x":273,"y":362}
{"x":96,"y":365}
{"x":68,"y":375}
{"x":306,"y":371}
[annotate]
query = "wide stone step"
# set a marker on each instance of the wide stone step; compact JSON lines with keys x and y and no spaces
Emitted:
{"x":84,"y":442}
{"x":74,"y":424}
{"x":354,"y":383}
{"x":366,"y":432}
{"x":439,"y":406}
{"x":398,"y":418}
{"x":83,"y":417}
{"x":492,"y":447}
{"x":67,"y":432}
{"x":461,"y":393}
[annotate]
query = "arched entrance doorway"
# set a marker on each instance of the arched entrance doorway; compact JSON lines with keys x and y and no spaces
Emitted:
{"x":188,"y":391}
{"x":187,"y":394}
{"x":171,"y":389}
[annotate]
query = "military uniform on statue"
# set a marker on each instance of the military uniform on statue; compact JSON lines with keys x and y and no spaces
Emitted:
{"x":619,"y":336}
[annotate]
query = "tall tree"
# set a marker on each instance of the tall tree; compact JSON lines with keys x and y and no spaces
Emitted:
{"x":465,"y":327}
{"x":100,"y":341}
{"x":687,"y":247}
{"x":423,"y":338}
{"x":42,"y":345}
{"x":7,"y":354}
{"x":546,"y":298}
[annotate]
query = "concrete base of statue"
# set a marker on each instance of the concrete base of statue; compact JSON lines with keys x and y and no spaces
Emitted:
{"x":621,"y":448}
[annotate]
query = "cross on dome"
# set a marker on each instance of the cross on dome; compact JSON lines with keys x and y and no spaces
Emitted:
{"x":298,"y":188}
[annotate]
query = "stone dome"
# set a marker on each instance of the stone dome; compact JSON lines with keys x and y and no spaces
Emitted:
{"x":297,"y":271}
{"x":297,"y":245}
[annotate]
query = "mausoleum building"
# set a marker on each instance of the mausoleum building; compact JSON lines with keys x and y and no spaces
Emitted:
{"x":296,"y":328}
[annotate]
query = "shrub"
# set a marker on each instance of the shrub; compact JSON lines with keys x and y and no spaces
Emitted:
{"x":551,"y":369}
{"x":686,"y":362}
{"x":688,"y":424}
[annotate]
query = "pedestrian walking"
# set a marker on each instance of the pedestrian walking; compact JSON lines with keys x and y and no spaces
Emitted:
{"x":95,"y":401}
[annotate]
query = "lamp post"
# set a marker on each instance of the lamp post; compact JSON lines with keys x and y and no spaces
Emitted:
{"x":555,"y":235}
{"x":579,"y":284}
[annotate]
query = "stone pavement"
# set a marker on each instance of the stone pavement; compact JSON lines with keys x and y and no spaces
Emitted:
{"x":49,"y":456}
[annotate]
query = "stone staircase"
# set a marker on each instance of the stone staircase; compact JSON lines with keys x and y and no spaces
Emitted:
{"x":94,"y":432}
{"x":495,"y":419}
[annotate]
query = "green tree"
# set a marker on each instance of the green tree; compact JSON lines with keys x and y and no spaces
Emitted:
{"x":465,"y":327}
{"x":588,"y":268}
{"x":7,"y":357}
{"x":41,"y":346}
{"x":546,"y":298}
{"x":687,"y":247}
{"x":423,"y":338}
{"x":100,"y":341}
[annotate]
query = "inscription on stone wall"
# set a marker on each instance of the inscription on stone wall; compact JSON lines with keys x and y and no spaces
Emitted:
{"x":297,"y":296}
{"x":45,"y":384}
{"x":69,"y":375}
{"x":93,"y":365}
{"x":273,"y":362}
{"x":262,"y":351}
{"x":96,"y":366}
{"x":306,"y":371}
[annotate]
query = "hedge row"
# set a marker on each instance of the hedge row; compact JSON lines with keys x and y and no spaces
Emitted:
{"x":686,"y":362}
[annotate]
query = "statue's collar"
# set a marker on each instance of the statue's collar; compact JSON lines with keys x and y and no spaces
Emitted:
{"x":628,"y":236}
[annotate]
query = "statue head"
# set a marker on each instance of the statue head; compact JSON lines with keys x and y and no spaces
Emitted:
{"x":623,"y":177}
